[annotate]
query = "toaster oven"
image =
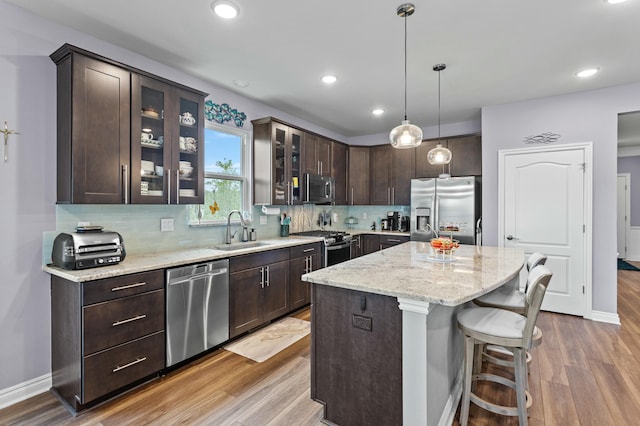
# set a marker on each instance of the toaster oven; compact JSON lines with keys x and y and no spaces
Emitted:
{"x":81,"y":250}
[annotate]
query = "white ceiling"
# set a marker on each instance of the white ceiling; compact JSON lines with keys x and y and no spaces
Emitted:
{"x":496,"y":51}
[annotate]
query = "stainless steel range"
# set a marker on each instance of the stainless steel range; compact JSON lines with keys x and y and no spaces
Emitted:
{"x":337,"y":245}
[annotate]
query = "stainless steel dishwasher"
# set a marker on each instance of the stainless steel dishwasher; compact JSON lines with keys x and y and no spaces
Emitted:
{"x":197,"y":309}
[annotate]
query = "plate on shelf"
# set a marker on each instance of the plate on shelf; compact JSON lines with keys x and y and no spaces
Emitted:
{"x":187,"y":192}
{"x":151,"y":143}
{"x":155,"y":193}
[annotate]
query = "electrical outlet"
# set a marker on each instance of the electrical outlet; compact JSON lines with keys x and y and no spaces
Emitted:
{"x":263,"y":220}
{"x":364,"y":216}
{"x":84,"y":223}
{"x":166,"y":224}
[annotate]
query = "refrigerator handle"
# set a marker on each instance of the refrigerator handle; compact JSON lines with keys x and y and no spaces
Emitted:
{"x":435,"y":217}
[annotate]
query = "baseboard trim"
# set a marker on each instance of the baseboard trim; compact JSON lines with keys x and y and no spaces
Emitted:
{"x":24,"y":390}
{"x":450,"y":408}
{"x":607,"y":317}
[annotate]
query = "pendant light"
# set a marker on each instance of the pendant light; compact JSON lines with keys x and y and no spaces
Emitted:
{"x":405,"y":135}
{"x":439,"y":154}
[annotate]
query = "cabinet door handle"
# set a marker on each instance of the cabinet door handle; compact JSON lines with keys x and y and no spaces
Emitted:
{"x":125,"y":287}
{"x":122,"y":367}
{"x":268,"y":277}
{"x":306,"y":265}
{"x":352,"y":201}
{"x":177,"y":186}
{"x":262,"y":277}
{"x":388,"y":195}
{"x":168,"y":186}
{"x":125,"y":183}
{"x":310,"y":263}
{"x":136,"y":318}
{"x":393,"y":195}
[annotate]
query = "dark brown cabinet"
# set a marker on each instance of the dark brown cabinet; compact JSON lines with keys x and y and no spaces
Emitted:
{"x":317,"y":155}
{"x":167,"y":144}
{"x":258,"y":289}
{"x":358,"y":175}
{"x":277,"y":158}
{"x":92,"y":129}
{"x":356,"y":246}
{"x":339,"y":162}
{"x":356,"y":359}
{"x":466,"y":158}
{"x":107,"y":335}
{"x":303,"y":259}
{"x":370,"y":243}
{"x":115,"y":124}
{"x":391,"y":173}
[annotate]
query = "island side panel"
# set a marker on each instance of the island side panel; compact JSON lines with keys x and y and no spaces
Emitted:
{"x":356,"y":356}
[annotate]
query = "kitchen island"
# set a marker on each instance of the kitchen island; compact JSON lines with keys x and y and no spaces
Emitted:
{"x":385,"y":346}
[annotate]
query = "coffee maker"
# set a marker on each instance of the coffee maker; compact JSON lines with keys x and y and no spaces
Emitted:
{"x":393,"y":219}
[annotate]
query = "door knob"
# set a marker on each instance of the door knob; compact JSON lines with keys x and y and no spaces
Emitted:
{"x":511,"y":237}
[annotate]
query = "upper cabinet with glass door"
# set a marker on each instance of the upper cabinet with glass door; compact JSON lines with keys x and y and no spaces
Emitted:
{"x":277,"y":169}
{"x":167,"y":133}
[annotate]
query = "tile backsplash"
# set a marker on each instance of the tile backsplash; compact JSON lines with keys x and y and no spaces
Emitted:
{"x":139,"y":225}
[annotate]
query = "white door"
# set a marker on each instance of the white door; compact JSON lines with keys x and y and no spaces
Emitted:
{"x":543,"y":195}
{"x":623,"y":213}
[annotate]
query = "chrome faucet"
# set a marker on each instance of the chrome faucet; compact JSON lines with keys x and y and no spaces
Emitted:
{"x":245,"y":231}
{"x":433,"y":230}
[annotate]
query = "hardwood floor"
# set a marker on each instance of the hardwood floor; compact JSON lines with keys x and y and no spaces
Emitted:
{"x":584,"y":373}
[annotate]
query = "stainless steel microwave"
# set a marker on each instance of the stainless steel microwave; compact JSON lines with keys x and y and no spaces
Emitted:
{"x":319,"y":189}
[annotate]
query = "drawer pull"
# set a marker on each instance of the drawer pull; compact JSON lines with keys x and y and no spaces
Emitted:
{"x":122,"y":367}
{"x":124,"y":287}
{"x":391,"y":240}
{"x":308,"y":250}
{"x":139,"y":317}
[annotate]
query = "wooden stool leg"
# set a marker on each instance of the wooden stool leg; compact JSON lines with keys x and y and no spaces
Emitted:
{"x":479,"y":349}
{"x":469,"y":346}
{"x":520,"y":360}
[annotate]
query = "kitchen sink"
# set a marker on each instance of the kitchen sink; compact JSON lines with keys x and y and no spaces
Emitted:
{"x":241,"y":246}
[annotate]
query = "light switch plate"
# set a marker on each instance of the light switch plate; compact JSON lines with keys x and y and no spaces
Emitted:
{"x":263,"y":220}
{"x":166,"y":224}
{"x":364,"y":216}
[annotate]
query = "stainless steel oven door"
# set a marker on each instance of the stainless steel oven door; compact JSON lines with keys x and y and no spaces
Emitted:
{"x":338,"y":253}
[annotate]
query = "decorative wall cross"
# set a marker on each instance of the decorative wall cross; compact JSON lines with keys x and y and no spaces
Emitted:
{"x":7,"y":132}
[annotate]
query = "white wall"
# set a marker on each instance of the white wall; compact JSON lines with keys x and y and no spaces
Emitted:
{"x":581,"y":117}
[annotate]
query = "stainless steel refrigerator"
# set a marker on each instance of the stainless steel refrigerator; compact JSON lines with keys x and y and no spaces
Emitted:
{"x":451,"y":207}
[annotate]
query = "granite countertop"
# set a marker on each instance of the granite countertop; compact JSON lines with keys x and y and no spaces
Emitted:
{"x":405,"y":271}
{"x":148,"y":262}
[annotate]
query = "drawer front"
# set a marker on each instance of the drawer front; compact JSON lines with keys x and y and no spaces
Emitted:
{"x":109,"y":370}
{"x":305,"y":250}
{"x":255,"y":260}
{"x":390,"y":240}
{"x":118,"y":321}
{"x":126,"y":285}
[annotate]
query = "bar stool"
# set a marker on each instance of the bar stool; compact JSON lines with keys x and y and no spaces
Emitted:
{"x":510,"y":297}
{"x":509,"y":330}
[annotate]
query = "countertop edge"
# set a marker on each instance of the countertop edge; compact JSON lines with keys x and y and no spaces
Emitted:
{"x":148,"y":262}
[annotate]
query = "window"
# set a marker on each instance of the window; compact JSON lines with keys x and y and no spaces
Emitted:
{"x":226,"y":173}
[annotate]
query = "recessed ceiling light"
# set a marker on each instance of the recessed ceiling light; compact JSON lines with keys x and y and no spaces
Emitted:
{"x":241,"y":83}
{"x":587,"y":72}
{"x":329,"y":79}
{"x":614,"y":1}
{"x":225,"y":9}
{"x":377,"y":111}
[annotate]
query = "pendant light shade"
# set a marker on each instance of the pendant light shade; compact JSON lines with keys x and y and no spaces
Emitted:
{"x":406,"y":135}
{"x":439,"y":154}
